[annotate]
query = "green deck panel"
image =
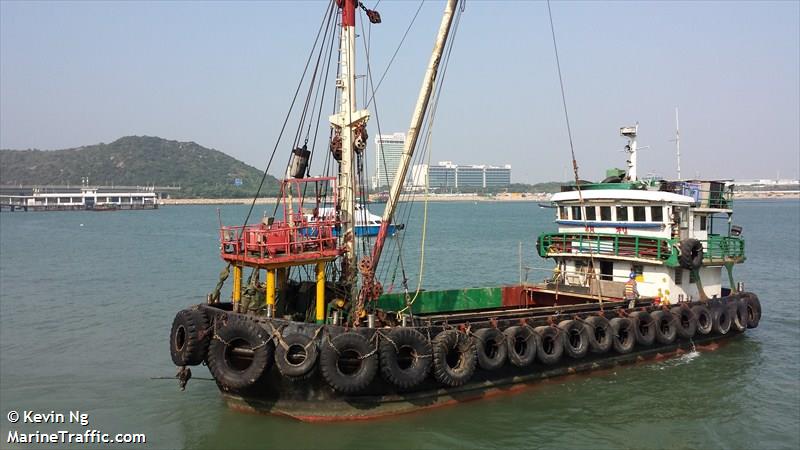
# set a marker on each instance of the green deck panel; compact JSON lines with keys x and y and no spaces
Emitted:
{"x":446,"y":300}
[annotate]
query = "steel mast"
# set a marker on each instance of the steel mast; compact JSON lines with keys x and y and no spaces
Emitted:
{"x":344,"y":123}
{"x":414,"y":129}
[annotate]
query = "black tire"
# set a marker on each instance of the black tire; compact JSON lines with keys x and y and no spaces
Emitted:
{"x":665,"y":327}
{"x":491,"y":346}
{"x":691,"y":256}
{"x":644,"y":327}
{"x":738,"y":311}
{"x":189,"y":337}
{"x":600,"y":334}
{"x":241,"y":354}
{"x":521,"y":345}
{"x":705,"y":323}
{"x":753,"y":305}
{"x":624,"y":334}
{"x":685,"y":321}
{"x":348,"y":362}
{"x":297,"y":360}
{"x":576,"y":338}
{"x":454,"y":358}
{"x":406,"y":357}
{"x":550,"y":344}
{"x":722,"y":319}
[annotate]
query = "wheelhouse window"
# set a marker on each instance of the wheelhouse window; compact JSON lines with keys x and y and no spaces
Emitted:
{"x":576,"y":213}
{"x":622,"y":213}
{"x":605,"y":213}
{"x":591,"y":213}
{"x":657,"y":213}
{"x":703,"y":223}
{"x":563,"y":214}
{"x":639,"y":214}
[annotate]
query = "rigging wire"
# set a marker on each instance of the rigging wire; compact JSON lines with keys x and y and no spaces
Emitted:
{"x":391,"y":60}
{"x":572,"y":148}
{"x":429,"y":133}
{"x":288,"y":114}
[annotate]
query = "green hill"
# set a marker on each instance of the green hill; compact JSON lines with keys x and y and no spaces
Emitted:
{"x":137,"y":160}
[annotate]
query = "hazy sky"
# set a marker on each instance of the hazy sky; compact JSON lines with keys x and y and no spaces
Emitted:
{"x":222,"y":75}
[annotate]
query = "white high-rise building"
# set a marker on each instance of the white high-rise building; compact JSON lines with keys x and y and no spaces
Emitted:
{"x":388,"y":150}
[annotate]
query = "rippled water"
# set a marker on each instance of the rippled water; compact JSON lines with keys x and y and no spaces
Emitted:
{"x":86,"y":301}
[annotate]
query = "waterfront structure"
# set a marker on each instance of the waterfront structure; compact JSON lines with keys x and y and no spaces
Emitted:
{"x":447,"y":175}
{"x":78,"y":198}
{"x":388,"y":149}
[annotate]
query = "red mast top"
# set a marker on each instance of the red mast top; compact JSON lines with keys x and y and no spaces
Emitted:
{"x":348,"y":12}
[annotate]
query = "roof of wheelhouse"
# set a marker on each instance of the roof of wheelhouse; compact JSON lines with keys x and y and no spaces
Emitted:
{"x":623,"y":194}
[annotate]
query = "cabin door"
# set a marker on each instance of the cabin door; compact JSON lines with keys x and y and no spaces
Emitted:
{"x":606,"y":270}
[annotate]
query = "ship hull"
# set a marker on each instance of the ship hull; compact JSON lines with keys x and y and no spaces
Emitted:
{"x":313,"y":398}
{"x":312,"y":402}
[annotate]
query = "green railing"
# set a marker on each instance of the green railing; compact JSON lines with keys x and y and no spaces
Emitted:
{"x":722,"y":248}
{"x":719,"y":248}
{"x":640,"y":247}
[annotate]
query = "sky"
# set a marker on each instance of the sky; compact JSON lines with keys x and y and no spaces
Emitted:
{"x":222,"y":74}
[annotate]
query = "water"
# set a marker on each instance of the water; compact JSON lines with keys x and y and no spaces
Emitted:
{"x":87,"y":299}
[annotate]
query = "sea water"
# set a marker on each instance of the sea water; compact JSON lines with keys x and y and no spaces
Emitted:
{"x":87,"y":300}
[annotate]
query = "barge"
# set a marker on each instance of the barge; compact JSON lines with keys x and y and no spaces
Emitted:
{"x":637,"y":274}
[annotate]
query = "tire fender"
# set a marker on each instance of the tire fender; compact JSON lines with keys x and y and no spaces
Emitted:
{"x":348,"y":362}
{"x":295,"y":356}
{"x":405,"y":357}
{"x":550,"y":344}
{"x":600,"y":333}
{"x":705,"y":322}
{"x":189,"y":337}
{"x":643,"y":327}
{"x":231,"y":369}
{"x":521,"y":345}
{"x":491,"y":346}
{"x":665,"y":326}
{"x":576,"y":338}
{"x":685,"y":321}
{"x":624,"y":334}
{"x":454,"y":358}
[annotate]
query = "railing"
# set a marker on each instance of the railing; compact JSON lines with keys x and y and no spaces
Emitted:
{"x":718,"y":248}
{"x":723,"y":248}
{"x":295,"y":240}
{"x":660,"y":249}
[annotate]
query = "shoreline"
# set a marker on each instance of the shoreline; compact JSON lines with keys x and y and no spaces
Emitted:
{"x":512,"y":197}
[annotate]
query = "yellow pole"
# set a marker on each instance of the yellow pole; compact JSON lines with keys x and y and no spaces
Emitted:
{"x":237,"y":284}
{"x":320,"y":292}
{"x":270,"y":288}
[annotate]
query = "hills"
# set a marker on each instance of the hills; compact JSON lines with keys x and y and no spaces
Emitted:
{"x":134,"y":161}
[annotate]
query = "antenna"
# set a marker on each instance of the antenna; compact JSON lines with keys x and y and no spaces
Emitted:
{"x":677,"y":142}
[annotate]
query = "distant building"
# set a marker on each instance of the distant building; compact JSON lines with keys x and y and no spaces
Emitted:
{"x":388,"y":150}
{"x":447,"y":175}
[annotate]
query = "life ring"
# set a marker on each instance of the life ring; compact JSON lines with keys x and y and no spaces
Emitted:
{"x":491,"y":346}
{"x":722,"y":319}
{"x":241,"y":354}
{"x":189,"y":337}
{"x":348,"y":362}
{"x":550,"y":344}
{"x":295,"y":356}
{"x":753,"y":309}
{"x":644,"y":327}
{"x":704,"y":320}
{"x":738,"y":311}
{"x":624,"y":335}
{"x":405,"y":356}
{"x":576,"y":339}
{"x":691,"y":256}
{"x":600,"y":333}
{"x":664,"y":326}
{"x":685,"y":322}
{"x":521,"y":345}
{"x":454,"y":358}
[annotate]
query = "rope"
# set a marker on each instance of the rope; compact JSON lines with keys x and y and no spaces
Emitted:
{"x":572,"y":147}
